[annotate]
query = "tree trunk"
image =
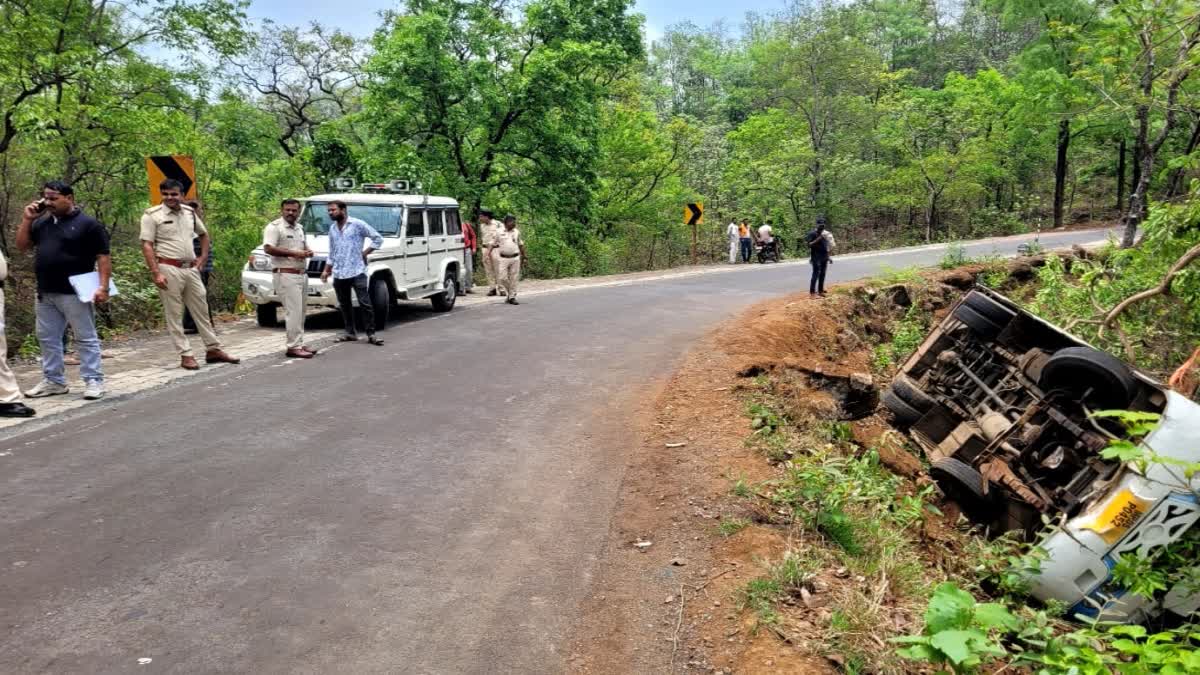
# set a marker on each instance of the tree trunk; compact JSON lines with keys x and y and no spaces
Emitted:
{"x":1142,"y":171}
{"x":1175,"y":183}
{"x":1136,"y":172}
{"x":929,"y":215}
{"x":1121,"y":175}
{"x":1060,"y":170}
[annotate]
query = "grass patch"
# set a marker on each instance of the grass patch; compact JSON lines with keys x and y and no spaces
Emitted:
{"x":855,"y":530}
{"x":731,"y":526}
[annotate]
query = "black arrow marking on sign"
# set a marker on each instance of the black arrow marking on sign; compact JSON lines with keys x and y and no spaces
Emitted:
{"x":171,"y":169}
{"x":694,"y":219}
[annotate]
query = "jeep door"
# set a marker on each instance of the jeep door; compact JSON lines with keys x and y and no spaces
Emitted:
{"x":454,"y":243}
{"x":416,"y":248}
{"x":435,"y":220}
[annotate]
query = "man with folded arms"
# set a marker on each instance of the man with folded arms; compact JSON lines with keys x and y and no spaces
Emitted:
{"x":283,"y":240}
{"x":167,"y":233}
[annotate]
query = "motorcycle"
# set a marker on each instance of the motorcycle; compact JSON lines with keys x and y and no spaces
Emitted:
{"x":771,"y":250}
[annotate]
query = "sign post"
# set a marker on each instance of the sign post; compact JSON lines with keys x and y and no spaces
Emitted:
{"x":179,"y":167}
{"x":693,"y":214}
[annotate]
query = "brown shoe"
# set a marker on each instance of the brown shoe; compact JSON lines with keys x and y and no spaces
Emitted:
{"x":218,"y":356}
{"x":189,"y":363}
{"x":299,"y":353}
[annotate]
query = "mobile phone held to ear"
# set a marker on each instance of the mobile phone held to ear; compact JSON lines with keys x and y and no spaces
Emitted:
{"x":41,"y":205}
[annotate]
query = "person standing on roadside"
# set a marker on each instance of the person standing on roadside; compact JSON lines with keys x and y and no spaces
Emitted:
{"x":470,"y":243}
{"x":744,"y":239}
{"x":510,"y":250}
{"x":10,"y":392}
{"x":189,"y":325}
{"x":731,"y":233}
{"x":167,"y":231}
{"x":488,"y":229}
{"x":283,"y":240}
{"x":818,"y":256}
{"x":66,"y":242}
{"x":347,"y":263}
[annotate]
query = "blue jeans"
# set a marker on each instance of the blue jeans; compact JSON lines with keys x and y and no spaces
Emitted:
{"x":746,"y":249}
{"x":54,"y":312}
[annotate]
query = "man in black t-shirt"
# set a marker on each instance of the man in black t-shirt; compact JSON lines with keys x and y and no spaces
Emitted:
{"x":66,"y":242}
{"x":818,"y":256}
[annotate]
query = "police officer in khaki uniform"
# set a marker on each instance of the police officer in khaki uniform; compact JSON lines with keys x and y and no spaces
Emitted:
{"x":10,"y":392}
{"x":167,"y":233}
{"x":488,"y":229}
{"x":283,"y":240}
{"x":510,"y":250}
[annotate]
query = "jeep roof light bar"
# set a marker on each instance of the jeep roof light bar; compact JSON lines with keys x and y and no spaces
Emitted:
{"x":399,"y":186}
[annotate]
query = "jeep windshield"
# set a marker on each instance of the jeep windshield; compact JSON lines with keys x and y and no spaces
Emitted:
{"x":385,"y":218}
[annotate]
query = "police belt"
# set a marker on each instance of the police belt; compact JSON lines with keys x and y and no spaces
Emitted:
{"x":174,"y":262}
{"x":289,"y":270}
{"x":509,"y":255}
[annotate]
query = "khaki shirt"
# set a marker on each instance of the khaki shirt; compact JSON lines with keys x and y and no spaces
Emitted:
{"x":509,"y":241}
{"x":172,"y":232}
{"x":487,"y":234}
{"x":281,"y":235}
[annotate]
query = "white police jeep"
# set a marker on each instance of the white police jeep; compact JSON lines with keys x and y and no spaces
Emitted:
{"x":421,"y":256}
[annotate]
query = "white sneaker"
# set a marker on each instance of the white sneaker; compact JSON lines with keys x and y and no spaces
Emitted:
{"x":47,"y":388}
{"x":93,"y":391}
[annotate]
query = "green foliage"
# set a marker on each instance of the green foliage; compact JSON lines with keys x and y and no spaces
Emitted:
{"x":760,"y":596}
{"x":1007,"y":563}
{"x":959,"y":632}
{"x":835,"y":524}
{"x":763,"y":420}
{"x":1076,"y":295}
{"x":30,"y":347}
{"x":742,"y":489}
{"x":731,"y":526}
{"x":955,"y":256}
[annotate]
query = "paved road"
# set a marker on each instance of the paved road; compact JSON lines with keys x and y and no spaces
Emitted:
{"x":433,"y":506}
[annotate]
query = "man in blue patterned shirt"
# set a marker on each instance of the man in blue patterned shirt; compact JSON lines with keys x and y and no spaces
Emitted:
{"x":347,"y":263}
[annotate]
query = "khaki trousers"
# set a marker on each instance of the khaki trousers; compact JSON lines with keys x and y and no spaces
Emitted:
{"x":10,"y":392}
{"x":489,"y":267}
{"x":509,"y":271}
{"x":291,"y":289}
{"x":185,"y":289}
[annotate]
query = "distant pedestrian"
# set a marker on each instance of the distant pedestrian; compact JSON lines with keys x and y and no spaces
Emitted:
{"x":67,"y":242}
{"x":731,"y":233}
{"x":488,"y":229}
{"x":819,"y":250}
{"x":10,"y":392}
{"x":470,"y":244}
{"x":744,"y":239}
{"x":189,"y":325}
{"x":510,"y":250}
{"x":283,"y":240}
{"x":167,"y":231}
{"x":347,"y":263}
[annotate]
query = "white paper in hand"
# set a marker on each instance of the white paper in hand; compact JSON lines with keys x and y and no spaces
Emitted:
{"x":86,"y":285}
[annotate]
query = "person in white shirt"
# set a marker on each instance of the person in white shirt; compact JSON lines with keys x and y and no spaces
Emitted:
{"x":765,"y":235}
{"x":731,"y":233}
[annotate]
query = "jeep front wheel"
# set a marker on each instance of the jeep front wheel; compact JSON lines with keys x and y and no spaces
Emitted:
{"x":267,"y":316}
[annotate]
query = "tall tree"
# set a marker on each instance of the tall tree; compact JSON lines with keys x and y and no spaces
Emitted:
{"x":486,"y":96}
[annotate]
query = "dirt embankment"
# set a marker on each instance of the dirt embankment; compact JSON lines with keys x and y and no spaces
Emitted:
{"x":670,"y":596}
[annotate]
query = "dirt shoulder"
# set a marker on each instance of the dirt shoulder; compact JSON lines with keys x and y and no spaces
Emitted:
{"x":673,"y":606}
{"x":700,"y":523}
